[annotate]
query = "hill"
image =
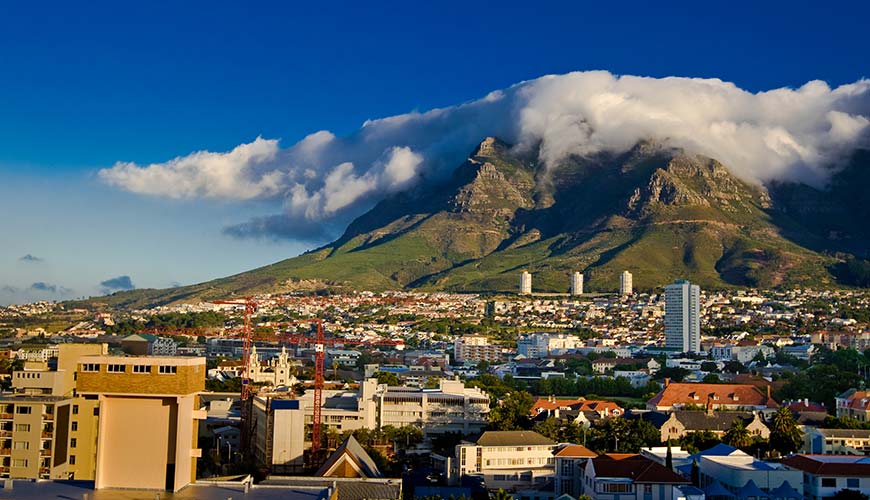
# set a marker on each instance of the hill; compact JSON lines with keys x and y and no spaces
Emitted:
{"x":658,"y":212}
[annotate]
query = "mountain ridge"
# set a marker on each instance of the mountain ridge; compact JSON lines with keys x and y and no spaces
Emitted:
{"x":660,"y":212}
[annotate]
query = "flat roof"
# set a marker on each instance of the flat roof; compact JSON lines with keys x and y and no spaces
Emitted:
{"x":144,"y":360}
{"x":33,"y":490}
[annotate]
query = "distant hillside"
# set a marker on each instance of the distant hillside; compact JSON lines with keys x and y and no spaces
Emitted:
{"x":660,"y":213}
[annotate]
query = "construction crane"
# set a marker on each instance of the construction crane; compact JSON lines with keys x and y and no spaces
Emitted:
{"x":319,"y":341}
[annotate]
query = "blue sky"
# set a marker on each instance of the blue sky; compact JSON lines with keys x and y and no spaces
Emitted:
{"x":83,"y":86}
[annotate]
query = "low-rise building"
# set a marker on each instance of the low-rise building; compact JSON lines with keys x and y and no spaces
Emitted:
{"x":825,"y":475}
{"x":570,"y":463}
{"x":629,"y":477}
{"x":837,"y":441}
{"x":676,"y":424}
{"x":475,"y":348}
{"x":507,"y":460}
{"x":676,"y":396}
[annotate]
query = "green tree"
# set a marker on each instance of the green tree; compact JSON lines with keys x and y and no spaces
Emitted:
{"x":512,"y":412}
{"x":501,"y":494}
{"x":560,"y":431}
{"x":738,"y":436}
{"x":847,"y":494}
{"x":693,"y":442}
{"x":785,"y":436}
{"x":389,"y":378}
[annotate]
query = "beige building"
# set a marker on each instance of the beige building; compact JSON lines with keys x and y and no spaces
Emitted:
{"x":279,"y":434}
{"x":42,"y":432}
{"x":508,"y":460}
{"x":475,"y":348}
{"x":147,"y":406}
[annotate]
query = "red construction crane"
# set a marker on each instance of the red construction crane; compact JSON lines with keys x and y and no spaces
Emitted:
{"x":251,"y":306}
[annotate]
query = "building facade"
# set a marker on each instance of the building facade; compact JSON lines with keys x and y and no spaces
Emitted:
{"x":474,"y":349}
{"x":159,"y":394}
{"x":508,"y":460}
{"x":683,"y":316}
{"x":576,"y":284}
{"x":525,"y":283}
{"x":626,"y":283}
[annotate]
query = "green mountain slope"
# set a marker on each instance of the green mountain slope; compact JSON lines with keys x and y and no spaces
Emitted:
{"x":660,"y":213}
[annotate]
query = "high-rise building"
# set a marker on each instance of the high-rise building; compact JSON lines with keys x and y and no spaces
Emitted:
{"x":625,"y":283}
{"x":525,"y":283}
{"x":475,"y":348}
{"x":147,"y":407}
{"x":683,"y":316}
{"x":576,"y":284}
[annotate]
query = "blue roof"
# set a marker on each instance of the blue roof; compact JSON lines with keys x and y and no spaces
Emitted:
{"x":720,"y":450}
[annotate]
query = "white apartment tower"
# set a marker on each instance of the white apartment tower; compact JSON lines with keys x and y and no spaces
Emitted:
{"x":525,"y":283}
{"x":683,"y":316}
{"x":576,"y":284}
{"x":625,"y":283}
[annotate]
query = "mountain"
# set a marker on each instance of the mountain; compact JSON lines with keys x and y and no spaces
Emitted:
{"x":659,"y":212}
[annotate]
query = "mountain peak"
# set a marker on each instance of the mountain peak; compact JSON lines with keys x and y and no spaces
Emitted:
{"x":491,"y":146}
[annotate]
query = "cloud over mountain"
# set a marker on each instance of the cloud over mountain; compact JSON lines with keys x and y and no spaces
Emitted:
{"x":119,"y":283}
{"x":324,"y":180}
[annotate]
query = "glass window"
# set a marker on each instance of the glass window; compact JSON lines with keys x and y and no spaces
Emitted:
{"x":72,"y":459}
{"x":115,"y":368}
{"x":167,"y":370}
{"x":75,"y":425}
{"x":20,"y":445}
{"x":75,"y":409}
{"x":853,"y":482}
{"x":141,"y":369}
{"x":23,"y":410}
{"x":829,"y":482}
{"x":22,"y":427}
{"x":90,"y":367}
{"x":73,"y":442}
{"x":19,"y":462}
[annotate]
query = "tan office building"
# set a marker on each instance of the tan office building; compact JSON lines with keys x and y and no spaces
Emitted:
{"x":148,"y":407}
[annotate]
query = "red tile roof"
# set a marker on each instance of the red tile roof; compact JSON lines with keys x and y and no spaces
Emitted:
{"x":582,"y":404}
{"x":719,"y":394}
{"x":635,"y":467}
{"x":827,"y":465}
{"x":576,"y":451}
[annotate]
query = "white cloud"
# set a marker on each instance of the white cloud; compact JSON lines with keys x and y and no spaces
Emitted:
{"x":784,"y":133}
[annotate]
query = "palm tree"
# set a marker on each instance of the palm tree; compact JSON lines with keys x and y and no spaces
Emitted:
{"x":785,"y":436}
{"x":738,"y":436}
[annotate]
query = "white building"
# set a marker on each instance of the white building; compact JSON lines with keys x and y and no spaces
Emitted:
{"x":576,"y":284}
{"x":626,"y":287}
{"x":683,"y":316}
{"x":541,"y":345}
{"x":283,"y":421}
{"x":630,"y":477}
{"x":475,"y":348}
{"x":525,"y":283}
{"x":509,"y":460}
{"x":277,"y":372}
{"x":825,"y":475}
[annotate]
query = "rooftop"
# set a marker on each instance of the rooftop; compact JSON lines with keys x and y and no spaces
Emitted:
{"x":513,"y":438}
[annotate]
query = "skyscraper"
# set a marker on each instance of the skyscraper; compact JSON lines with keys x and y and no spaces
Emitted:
{"x":625,"y":285}
{"x":525,"y":283}
{"x":683,"y":316}
{"x":576,"y":284}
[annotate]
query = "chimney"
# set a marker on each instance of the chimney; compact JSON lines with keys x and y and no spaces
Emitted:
{"x":768,"y":392}
{"x":667,"y":381}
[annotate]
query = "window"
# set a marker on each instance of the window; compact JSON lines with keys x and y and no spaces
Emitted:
{"x":22,"y":427}
{"x":20,"y":445}
{"x":23,"y":410}
{"x":647,"y":489}
{"x":616,"y":487}
{"x":75,"y":425}
{"x":97,"y":412}
{"x":853,"y":482}
{"x":115,"y":368}
{"x":141,"y":369}
{"x":73,"y":442}
{"x":19,"y":462}
{"x":829,"y":482}
{"x":72,"y":459}
{"x":90,"y":367}
{"x":75,"y":410}
{"x":167,"y":370}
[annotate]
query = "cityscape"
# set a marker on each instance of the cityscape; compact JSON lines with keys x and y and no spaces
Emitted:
{"x":464,"y":251}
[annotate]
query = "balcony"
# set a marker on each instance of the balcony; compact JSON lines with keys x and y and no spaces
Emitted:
{"x":5,"y":416}
{"x":47,"y":416}
{"x":5,"y":451}
{"x":47,"y":435}
{"x":45,"y":453}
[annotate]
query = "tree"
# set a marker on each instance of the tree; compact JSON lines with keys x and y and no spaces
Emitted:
{"x":389,"y":378}
{"x":669,"y":457}
{"x":785,"y":436}
{"x":500,"y":494}
{"x":512,"y":413}
{"x":847,"y":494}
{"x":560,"y":431}
{"x":738,"y":436}
{"x":693,"y":442}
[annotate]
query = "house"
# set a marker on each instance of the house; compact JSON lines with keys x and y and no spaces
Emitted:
{"x":509,"y":460}
{"x":808,"y":413}
{"x":677,"y":424}
{"x":570,"y":463}
{"x":604,"y":365}
{"x":825,"y":475}
{"x":629,"y":477}
{"x":676,"y":395}
{"x":854,"y":404}
{"x":740,"y":473}
{"x":837,"y":441}
{"x":551,"y":407}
